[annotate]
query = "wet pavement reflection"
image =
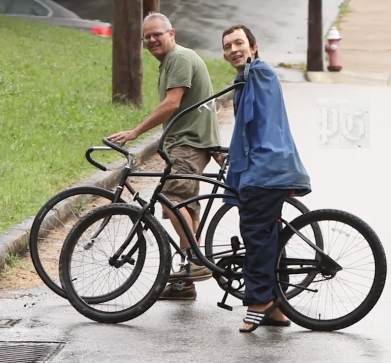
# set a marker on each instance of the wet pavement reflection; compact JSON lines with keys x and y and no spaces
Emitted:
{"x":196,"y":331}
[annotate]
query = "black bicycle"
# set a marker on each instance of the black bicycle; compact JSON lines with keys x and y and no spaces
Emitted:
{"x":56,"y":217}
{"x":331,"y":266}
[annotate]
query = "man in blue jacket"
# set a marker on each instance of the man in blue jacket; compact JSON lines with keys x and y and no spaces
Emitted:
{"x":265,"y":168}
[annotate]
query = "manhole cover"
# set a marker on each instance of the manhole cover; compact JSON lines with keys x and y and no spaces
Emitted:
{"x":28,"y":352}
{"x":7,"y":323}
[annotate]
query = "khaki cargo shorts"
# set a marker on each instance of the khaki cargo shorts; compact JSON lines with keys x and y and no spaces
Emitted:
{"x":186,"y":160}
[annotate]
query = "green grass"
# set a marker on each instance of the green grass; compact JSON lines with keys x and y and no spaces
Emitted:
{"x":55,"y":101}
{"x":12,"y":260}
{"x":298,"y":66}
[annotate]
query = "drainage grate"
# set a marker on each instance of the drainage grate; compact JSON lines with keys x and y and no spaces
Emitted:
{"x":8,"y":323}
{"x":28,"y":352}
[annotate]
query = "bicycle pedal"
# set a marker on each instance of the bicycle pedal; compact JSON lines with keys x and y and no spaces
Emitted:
{"x":235,"y":244}
{"x":224,"y":306}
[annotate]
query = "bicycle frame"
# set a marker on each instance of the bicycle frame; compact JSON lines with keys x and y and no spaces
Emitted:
{"x":159,"y":197}
{"x":325,"y":263}
{"x":127,"y":172}
{"x":175,"y":208}
{"x":149,"y":207}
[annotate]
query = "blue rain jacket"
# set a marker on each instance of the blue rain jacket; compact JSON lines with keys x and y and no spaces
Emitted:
{"x":262,"y":151}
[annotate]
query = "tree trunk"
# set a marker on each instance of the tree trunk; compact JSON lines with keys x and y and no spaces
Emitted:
{"x":150,"y":5}
{"x":127,"y":51}
{"x":315,"y":36}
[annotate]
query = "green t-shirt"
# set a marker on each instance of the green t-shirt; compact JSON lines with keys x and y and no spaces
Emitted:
{"x":183,"y":67}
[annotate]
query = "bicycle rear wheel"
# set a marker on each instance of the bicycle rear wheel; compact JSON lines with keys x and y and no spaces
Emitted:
{"x":333,"y":299}
{"x":135,"y":284}
{"x":52,"y":224}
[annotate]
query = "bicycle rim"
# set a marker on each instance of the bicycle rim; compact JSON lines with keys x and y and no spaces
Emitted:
{"x":133,"y":286}
{"x":52,"y":224}
{"x":332,"y":301}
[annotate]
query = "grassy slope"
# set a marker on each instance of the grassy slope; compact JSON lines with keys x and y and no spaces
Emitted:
{"x":55,"y":101}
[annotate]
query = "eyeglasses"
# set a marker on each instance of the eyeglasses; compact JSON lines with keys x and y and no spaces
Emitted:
{"x":158,"y":35}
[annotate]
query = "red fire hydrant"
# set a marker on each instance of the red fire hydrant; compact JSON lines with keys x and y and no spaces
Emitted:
{"x":331,"y":48}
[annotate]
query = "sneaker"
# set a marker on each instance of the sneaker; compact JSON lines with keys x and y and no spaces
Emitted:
{"x":196,"y":273}
{"x":178,"y":291}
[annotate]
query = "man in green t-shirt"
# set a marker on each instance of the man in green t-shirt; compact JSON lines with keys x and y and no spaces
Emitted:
{"x":183,"y":81}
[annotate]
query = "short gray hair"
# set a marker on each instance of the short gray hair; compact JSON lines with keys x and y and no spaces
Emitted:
{"x":162,"y":17}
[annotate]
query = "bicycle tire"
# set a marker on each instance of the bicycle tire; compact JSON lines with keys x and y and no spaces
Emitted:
{"x":219,"y":221}
{"x":45,"y":222}
{"x":353,"y":244}
{"x":121,"y":218}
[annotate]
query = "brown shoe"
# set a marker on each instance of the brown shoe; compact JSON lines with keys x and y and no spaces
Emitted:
{"x":196,"y":273}
{"x":178,"y":291}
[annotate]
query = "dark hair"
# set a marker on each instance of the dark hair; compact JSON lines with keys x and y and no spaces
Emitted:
{"x":250,"y":36}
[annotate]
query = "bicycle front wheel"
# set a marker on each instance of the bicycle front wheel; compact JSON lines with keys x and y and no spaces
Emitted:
{"x":131,"y":283}
{"x":338,"y":295}
{"x":52,"y":224}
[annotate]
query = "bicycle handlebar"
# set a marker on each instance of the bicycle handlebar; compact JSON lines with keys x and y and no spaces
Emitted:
{"x":92,"y":161}
{"x":161,"y":150}
{"x":116,"y":147}
{"x":110,"y":146}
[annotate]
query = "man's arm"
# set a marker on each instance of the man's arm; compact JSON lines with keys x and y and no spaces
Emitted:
{"x":162,"y":113}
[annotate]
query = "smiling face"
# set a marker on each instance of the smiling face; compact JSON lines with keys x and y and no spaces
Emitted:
{"x":158,"y":37}
{"x":237,"y":49}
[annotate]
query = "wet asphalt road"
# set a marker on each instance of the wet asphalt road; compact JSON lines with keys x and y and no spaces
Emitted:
{"x":198,"y":332}
{"x":279,"y":25}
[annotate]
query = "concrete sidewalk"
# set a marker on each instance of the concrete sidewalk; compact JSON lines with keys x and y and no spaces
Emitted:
{"x":366,"y":33}
{"x":365,"y":47}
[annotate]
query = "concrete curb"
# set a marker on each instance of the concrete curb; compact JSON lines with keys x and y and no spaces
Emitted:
{"x":16,"y":239}
{"x":375,"y":79}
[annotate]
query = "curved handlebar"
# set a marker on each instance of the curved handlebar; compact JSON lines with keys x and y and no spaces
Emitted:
{"x":161,"y":150}
{"x":238,"y":84}
{"x":116,"y":147}
{"x":90,"y":150}
{"x":110,"y":146}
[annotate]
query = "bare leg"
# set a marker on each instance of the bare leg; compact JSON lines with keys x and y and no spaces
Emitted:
{"x":184,"y":243}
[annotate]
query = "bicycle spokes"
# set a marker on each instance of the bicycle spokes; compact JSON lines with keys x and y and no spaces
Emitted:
{"x":336,"y":286}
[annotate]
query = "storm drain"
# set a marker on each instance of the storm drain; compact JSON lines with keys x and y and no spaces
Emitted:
{"x":8,"y":323}
{"x":28,"y":352}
